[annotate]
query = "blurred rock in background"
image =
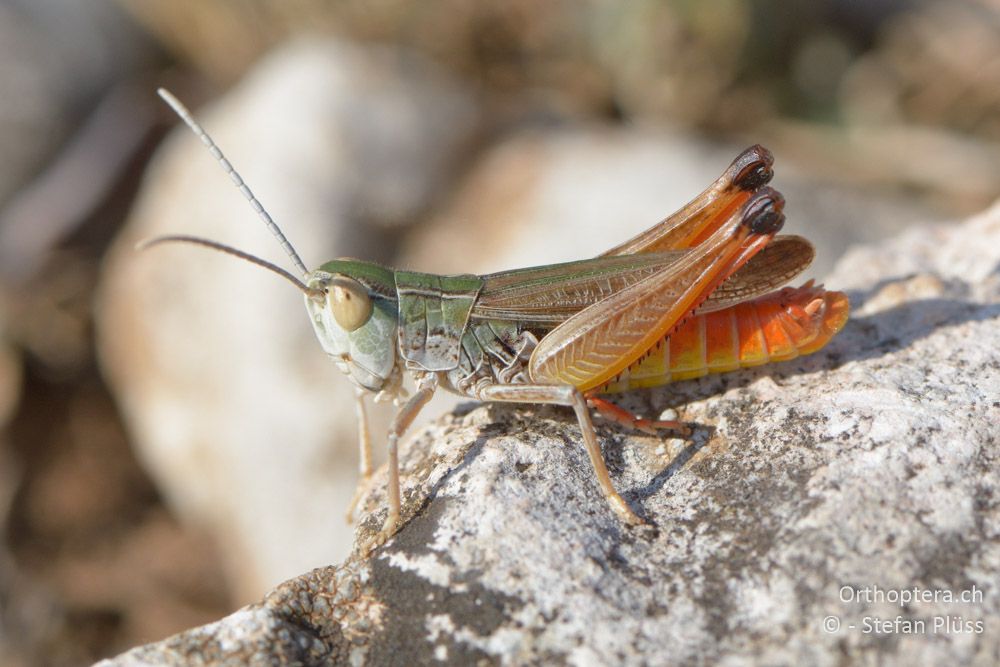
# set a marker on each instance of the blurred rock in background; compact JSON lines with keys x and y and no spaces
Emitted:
{"x":240,"y":417}
{"x":446,"y":136}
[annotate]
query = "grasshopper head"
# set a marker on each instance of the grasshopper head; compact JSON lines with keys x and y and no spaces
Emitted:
{"x":352,"y":307}
{"x":352,"y":304}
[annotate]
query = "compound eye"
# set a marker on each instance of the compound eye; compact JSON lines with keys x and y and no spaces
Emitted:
{"x":349,"y":302}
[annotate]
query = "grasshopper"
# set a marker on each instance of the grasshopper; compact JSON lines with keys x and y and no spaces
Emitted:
{"x":694,"y":294}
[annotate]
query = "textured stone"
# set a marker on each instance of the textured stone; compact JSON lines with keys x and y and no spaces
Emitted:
{"x":870,"y":464}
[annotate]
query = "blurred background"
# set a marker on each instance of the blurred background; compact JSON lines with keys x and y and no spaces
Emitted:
{"x":172,"y":440}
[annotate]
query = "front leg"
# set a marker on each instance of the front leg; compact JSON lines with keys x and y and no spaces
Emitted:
{"x":426,"y":386}
{"x":364,"y":452}
{"x":569,"y":396}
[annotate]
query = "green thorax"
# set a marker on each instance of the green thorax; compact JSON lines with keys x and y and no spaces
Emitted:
{"x":433,"y":315}
{"x":433,"y":311}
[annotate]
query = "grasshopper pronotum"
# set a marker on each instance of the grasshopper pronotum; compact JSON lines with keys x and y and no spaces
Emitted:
{"x":692,"y":295}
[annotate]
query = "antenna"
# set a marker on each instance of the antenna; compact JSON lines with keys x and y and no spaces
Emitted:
{"x":229,"y":250}
{"x":200,"y":132}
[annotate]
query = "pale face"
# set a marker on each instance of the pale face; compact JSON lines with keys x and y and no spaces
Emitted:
{"x":367,"y":352}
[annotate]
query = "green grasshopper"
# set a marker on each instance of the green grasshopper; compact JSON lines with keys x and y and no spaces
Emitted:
{"x":694,"y":294}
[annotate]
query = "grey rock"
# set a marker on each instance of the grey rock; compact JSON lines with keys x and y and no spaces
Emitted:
{"x":68,"y":123}
{"x":55,"y":57}
{"x":812,"y":490}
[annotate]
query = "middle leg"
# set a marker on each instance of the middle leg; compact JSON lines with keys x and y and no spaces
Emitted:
{"x":623,"y":417}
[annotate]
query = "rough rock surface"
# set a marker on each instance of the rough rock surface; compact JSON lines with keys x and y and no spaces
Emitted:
{"x":871,"y":465}
{"x":214,"y":361}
